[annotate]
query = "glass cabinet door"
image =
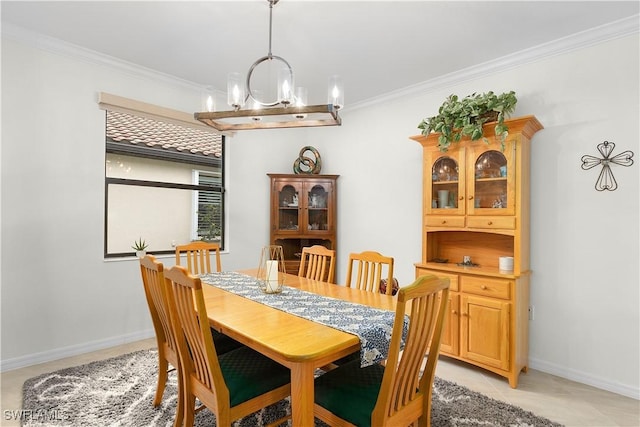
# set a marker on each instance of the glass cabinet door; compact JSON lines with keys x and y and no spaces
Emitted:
{"x":317,"y":212}
{"x":288,"y":211}
{"x":445,"y":188}
{"x":492,"y":192}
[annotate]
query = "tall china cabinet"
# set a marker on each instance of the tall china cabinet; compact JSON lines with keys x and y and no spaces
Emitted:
{"x":475,"y":211}
{"x":303,"y":213}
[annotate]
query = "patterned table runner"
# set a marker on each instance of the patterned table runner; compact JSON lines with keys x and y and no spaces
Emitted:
{"x":372,"y":325}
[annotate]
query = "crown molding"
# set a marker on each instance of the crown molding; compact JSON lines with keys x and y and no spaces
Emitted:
{"x":57,"y":46}
{"x":614,"y":30}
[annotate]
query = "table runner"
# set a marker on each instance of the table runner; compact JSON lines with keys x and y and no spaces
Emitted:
{"x":372,"y":325}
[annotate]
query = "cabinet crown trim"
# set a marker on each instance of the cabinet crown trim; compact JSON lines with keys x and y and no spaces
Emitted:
{"x":525,"y":125}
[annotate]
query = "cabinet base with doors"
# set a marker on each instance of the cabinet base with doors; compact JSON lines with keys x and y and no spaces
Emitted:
{"x":475,"y":212}
{"x":303,"y":213}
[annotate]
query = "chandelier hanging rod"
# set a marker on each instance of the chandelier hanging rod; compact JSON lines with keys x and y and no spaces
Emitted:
{"x":271,"y":3}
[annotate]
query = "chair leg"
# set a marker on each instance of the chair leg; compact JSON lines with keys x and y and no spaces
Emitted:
{"x":188,"y":406}
{"x":179,"y":419}
{"x":163,"y":367}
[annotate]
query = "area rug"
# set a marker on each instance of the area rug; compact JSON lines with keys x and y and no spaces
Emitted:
{"x":119,"y":392}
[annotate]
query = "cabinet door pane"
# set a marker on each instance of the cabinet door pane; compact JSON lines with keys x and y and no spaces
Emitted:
{"x":444,"y":183}
{"x":317,"y":197}
{"x":491,"y":181}
{"x":288,"y":203}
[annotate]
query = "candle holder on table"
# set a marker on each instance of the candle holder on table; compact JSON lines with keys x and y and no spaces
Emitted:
{"x":271,"y":269}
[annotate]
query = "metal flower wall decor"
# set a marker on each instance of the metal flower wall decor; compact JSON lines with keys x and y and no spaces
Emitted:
{"x":606,"y":180}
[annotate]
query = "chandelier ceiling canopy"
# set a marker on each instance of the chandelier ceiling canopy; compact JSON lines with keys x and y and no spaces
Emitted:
{"x":259,"y":104}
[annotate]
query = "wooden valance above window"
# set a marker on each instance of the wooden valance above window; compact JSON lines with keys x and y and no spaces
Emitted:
{"x":107,"y":101}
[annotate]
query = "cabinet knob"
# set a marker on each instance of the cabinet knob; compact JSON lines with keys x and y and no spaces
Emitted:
{"x":461,"y":198}
{"x":464,"y":314}
{"x":444,"y":221}
{"x":470,"y":197}
{"x":483,"y":287}
{"x":490,"y":223}
{"x":454,"y":312}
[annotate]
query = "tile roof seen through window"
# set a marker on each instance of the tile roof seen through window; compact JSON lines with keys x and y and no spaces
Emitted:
{"x":141,"y":131}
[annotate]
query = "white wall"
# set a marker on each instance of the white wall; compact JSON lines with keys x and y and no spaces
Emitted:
{"x":59,"y":296}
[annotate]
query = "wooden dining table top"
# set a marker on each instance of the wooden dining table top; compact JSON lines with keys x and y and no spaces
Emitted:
{"x":298,"y":343}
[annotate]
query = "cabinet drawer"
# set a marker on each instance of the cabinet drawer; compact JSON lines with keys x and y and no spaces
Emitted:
{"x":494,"y":288}
{"x":445,"y":221}
{"x":508,"y":222}
{"x":453,"y":278}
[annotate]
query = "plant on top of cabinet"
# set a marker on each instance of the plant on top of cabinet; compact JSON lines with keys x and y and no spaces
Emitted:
{"x":465,"y":117}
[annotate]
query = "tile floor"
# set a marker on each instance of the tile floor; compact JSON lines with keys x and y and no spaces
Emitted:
{"x":566,"y":402}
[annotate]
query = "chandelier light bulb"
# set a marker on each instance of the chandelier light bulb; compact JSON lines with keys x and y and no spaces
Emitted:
{"x":256,"y":105}
{"x":336,"y":92}
{"x":300,"y":101}
{"x":235,"y":91}
{"x":285,"y":86}
{"x":208,"y":100}
{"x":235,"y":96}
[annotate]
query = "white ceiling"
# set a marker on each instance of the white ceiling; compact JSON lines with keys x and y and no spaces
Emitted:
{"x":376,"y":46}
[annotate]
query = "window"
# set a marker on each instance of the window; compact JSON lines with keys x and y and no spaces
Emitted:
{"x":208,"y":209}
{"x":164,"y":183}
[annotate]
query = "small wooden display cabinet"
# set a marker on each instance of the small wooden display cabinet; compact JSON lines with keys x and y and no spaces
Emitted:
{"x":303,"y":213}
{"x":476,"y":209}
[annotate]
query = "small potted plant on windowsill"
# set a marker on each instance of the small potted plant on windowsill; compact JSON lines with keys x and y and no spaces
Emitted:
{"x":140,"y":247}
{"x":465,"y":117}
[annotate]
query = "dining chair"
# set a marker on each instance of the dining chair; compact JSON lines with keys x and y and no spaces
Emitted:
{"x":198,"y":261}
{"x":370,"y":266}
{"x":155,"y":292}
{"x":317,"y":263}
{"x":198,"y":257}
{"x":232,"y":385}
{"x":397,"y":393}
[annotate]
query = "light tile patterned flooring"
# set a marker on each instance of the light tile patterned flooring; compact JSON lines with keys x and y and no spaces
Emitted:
{"x":563,"y":401}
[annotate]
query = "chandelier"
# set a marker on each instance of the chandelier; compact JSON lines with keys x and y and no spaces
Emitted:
{"x":289,"y":109}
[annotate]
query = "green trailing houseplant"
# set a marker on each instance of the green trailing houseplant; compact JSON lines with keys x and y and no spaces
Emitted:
{"x":465,"y":117}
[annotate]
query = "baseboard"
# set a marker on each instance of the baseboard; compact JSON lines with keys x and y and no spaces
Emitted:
{"x":583,"y":378}
{"x":75,"y":350}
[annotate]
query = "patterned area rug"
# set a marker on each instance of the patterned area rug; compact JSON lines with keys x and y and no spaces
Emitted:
{"x":119,"y":392}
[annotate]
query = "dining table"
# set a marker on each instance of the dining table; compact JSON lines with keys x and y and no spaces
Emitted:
{"x":301,"y":344}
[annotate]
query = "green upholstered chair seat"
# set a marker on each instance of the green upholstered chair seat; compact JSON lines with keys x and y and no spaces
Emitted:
{"x":350,"y":391}
{"x":240,"y":369}
{"x":224,"y":343}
